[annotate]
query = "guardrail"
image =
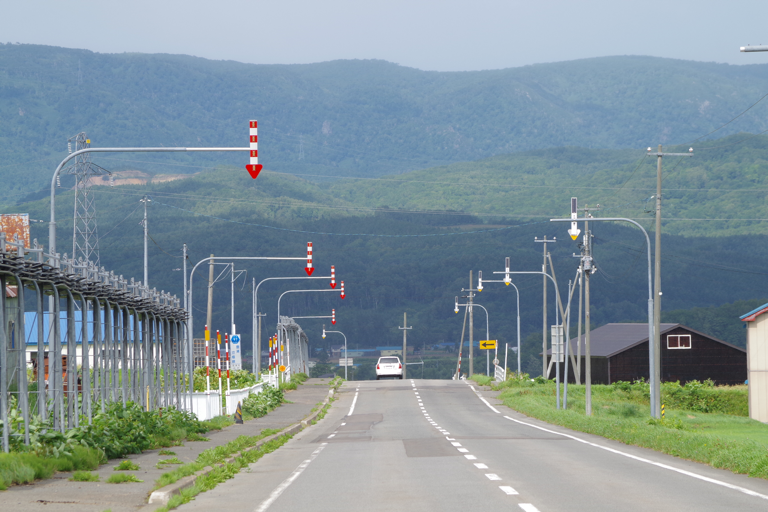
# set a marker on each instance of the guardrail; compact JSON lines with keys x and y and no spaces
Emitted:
{"x":500,"y":374}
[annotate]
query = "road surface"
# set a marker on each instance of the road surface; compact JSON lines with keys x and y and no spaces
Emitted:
{"x":443,"y":446}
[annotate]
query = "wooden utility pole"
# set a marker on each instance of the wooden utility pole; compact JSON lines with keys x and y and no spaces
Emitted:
{"x":405,"y":328}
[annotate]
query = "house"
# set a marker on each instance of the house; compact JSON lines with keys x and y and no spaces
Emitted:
{"x":619,"y":352}
{"x":757,"y":357}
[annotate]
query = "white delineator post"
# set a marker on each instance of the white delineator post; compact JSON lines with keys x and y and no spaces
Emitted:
{"x":226,"y":348}
{"x":207,"y":372}
{"x":309,"y":268}
{"x":254,"y":168}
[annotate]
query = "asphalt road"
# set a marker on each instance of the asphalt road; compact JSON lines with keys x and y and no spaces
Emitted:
{"x":443,"y":446}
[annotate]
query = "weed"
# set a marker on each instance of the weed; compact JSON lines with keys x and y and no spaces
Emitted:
{"x":127,"y":465}
{"x":166,"y":452}
{"x":84,"y":476}
{"x":162,"y":463}
{"x":194,"y":436}
{"x":119,"y":478}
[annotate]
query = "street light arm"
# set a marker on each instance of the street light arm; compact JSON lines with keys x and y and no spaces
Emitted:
{"x":759,"y":48}
{"x":52,"y":224}
{"x":297,"y":291}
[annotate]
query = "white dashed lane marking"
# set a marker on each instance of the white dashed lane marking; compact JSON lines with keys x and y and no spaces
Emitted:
{"x":480,"y":465}
{"x":508,"y":490}
{"x":493,"y":476}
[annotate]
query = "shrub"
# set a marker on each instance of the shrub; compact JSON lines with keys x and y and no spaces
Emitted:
{"x":259,"y":404}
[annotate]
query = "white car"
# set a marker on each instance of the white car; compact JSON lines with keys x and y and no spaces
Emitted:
{"x":389,"y":367}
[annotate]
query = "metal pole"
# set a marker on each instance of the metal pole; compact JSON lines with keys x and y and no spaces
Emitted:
{"x":471,"y":329}
{"x":655,"y":372}
{"x":4,"y":370}
{"x":22,"y":361}
{"x":404,"y":328}
{"x":544,"y":326}
{"x":587,"y":325}
{"x":145,"y":200}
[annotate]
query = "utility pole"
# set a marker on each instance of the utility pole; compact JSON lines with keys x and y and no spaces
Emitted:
{"x":405,"y":328}
{"x":210,"y":292}
{"x":471,"y":326}
{"x":145,"y":200}
{"x":257,"y":346}
{"x":587,"y":267}
{"x":544,"y":308}
{"x":655,"y":372}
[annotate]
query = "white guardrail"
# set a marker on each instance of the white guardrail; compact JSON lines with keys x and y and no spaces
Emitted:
{"x":500,"y":374}
{"x":208,"y":405}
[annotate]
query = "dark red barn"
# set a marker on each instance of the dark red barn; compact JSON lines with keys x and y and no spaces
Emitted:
{"x":620,"y":352}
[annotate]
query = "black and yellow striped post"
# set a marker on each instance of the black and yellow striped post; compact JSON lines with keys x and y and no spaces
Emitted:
{"x":239,"y":415}
{"x":662,"y":411}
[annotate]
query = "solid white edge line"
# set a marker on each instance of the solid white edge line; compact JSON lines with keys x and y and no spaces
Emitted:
{"x":352,"y":409}
{"x":528,"y":507}
{"x":641,"y":459}
{"x":288,"y":481}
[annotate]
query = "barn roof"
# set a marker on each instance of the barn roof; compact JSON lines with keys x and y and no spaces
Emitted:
{"x":752,"y":315}
{"x":611,"y":339}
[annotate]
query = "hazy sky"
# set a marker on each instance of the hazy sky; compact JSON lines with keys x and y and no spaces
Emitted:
{"x":446,"y":35}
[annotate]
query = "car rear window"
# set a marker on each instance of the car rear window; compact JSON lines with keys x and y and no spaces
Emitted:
{"x":389,"y":360}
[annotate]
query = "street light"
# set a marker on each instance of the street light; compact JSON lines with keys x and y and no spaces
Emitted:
{"x":346,"y":357}
{"x":257,"y":331}
{"x":759,"y":48}
{"x":280,"y":338}
{"x":487,"y":335}
{"x":507,"y":272}
{"x":190,"y":309}
{"x":507,"y":281}
{"x":652,"y":373}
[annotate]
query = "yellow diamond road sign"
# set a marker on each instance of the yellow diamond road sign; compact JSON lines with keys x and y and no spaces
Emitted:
{"x":487,"y":344}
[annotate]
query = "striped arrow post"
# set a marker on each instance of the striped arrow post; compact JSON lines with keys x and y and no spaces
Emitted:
{"x":254,"y":168}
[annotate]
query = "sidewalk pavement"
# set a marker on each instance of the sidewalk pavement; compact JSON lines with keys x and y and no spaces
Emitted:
{"x":59,"y":494}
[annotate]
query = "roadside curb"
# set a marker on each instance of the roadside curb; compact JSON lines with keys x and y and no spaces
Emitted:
{"x":162,"y":496}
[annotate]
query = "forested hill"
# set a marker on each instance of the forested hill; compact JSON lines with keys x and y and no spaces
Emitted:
{"x":353,"y":118}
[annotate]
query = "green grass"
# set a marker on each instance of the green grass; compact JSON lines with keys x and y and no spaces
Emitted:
{"x":720,"y":440}
{"x":166,"y":452}
{"x":224,"y":472}
{"x":212,"y":456}
{"x":161,"y":464}
{"x":121,"y":478}
{"x":84,"y":476}
{"x":481,"y":379}
{"x":24,"y":468}
{"x":127,"y":465}
{"x":194,"y":436}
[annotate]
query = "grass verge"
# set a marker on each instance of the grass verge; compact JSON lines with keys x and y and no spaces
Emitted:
{"x":723,"y":441}
{"x":224,"y":472}
{"x":24,"y":468}
{"x":212,"y":456}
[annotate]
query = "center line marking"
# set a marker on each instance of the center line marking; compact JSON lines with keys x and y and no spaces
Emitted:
{"x":288,"y":481}
{"x":456,"y":444}
{"x":463,"y":450}
{"x":493,"y":476}
{"x":330,"y":436}
{"x":480,"y":465}
{"x":508,"y":490}
{"x":470,"y":457}
{"x":352,"y":409}
{"x":528,"y":507}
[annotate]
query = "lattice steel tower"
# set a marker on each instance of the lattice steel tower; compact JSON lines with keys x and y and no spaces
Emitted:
{"x":85,"y":236}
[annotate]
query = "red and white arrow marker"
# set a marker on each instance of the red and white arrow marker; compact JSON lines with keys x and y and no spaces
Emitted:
{"x":333,"y":317}
{"x":342,"y":290}
{"x":254,"y":168}
{"x":333,"y":276}
{"x":309,"y":268}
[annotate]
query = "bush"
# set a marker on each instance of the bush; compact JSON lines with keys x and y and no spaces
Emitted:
{"x":259,"y":404}
{"x":238,"y":379}
{"x":705,"y":397}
